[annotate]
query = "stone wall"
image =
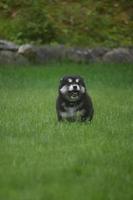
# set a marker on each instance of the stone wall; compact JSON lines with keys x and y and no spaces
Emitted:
{"x":26,"y":54}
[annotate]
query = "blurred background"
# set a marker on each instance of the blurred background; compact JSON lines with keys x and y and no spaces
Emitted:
{"x":81,"y":22}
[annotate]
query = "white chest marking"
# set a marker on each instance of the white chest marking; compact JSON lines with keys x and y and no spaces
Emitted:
{"x":70,"y":112}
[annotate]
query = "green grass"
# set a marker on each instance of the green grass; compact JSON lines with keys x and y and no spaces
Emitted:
{"x":43,"y":159}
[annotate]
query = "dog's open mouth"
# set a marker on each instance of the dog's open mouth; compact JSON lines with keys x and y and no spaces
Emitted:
{"x":73,"y":94}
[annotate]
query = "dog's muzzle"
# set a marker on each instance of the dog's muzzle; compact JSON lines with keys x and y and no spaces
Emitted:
{"x":74,"y":87}
{"x":72,"y":92}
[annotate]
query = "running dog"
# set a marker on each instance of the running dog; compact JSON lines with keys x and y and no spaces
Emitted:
{"x":73,"y":102}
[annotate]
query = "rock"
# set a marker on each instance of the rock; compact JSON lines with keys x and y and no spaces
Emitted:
{"x":6,"y":45}
{"x":99,"y":52}
{"x":12,"y":58}
{"x":49,"y":53}
{"x":119,"y":55}
{"x":130,"y":50}
{"x":42,"y":54}
{"x":10,"y":53}
{"x":79,"y":55}
{"x":28,"y":51}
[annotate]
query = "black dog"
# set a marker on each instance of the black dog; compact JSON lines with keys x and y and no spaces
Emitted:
{"x":73,"y":102}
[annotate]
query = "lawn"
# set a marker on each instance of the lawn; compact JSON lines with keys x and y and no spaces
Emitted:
{"x":42,"y":159}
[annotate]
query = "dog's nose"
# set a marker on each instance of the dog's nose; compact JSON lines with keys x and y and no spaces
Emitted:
{"x":75,"y":87}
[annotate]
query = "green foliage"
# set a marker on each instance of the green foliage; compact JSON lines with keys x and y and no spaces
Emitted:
{"x":43,"y":159}
{"x":104,"y":23}
{"x":34,"y":25}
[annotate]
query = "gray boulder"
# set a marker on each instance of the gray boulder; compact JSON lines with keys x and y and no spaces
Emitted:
{"x":42,"y":54}
{"x":119,"y":55}
{"x":6,"y":45}
{"x":50,"y":53}
{"x":79,"y":55}
{"x":130,"y":49}
{"x":99,"y":52}
{"x":28,"y":51}
{"x":12,"y":58}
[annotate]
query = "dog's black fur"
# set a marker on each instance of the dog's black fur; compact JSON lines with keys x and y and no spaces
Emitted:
{"x":73,"y":102}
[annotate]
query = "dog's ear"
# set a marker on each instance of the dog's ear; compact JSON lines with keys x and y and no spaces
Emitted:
{"x":82,"y":81}
{"x":61,"y":79}
{"x":61,"y":82}
{"x":81,"y":78}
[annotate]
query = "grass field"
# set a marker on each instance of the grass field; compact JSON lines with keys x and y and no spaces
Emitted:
{"x":41,"y":159}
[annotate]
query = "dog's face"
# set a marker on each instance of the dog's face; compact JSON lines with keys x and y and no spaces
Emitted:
{"x":72,"y":88}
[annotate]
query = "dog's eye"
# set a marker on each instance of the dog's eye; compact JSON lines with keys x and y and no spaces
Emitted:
{"x":77,"y":80}
{"x":70,"y":80}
